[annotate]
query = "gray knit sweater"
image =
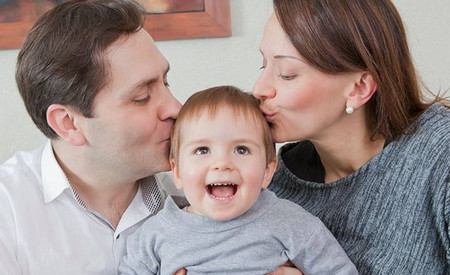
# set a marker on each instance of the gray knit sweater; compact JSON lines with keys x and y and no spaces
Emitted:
{"x":392,"y":215}
{"x":269,"y":234}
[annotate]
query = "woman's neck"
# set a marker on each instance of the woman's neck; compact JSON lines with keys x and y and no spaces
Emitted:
{"x":341,"y":161}
{"x":345,"y":152}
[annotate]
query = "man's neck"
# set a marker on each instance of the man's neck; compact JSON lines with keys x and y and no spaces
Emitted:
{"x":111,"y":202}
{"x":104,"y":193}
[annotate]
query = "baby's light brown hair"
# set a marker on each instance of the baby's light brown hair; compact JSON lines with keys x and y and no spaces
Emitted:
{"x":214,"y":99}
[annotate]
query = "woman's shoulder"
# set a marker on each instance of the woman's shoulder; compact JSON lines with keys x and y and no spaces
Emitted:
{"x":436,"y":116}
{"x":433,"y":126}
{"x":429,"y":139}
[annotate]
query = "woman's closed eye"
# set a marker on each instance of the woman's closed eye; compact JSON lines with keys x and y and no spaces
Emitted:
{"x":287,"y":77}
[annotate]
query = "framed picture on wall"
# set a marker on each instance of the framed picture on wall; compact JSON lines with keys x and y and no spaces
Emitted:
{"x":164,"y":19}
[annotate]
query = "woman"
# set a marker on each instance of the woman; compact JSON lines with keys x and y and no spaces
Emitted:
{"x":373,"y":158}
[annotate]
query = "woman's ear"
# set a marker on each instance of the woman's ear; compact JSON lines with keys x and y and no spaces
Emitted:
{"x":363,"y":90}
{"x":63,"y":121}
{"x":269,"y":171}
{"x":176,"y":174}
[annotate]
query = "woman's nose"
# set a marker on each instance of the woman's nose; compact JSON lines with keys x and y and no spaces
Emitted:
{"x":263,"y":88}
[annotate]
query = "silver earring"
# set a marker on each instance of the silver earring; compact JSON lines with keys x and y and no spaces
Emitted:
{"x":349,"y":110}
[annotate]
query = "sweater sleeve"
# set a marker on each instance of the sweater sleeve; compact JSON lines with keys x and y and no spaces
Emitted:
{"x":322,"y":254}
{"x":140,"y":259}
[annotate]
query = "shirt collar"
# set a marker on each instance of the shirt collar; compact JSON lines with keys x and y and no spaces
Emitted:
{"x":54,"y":180}
{"x":151,"y":194}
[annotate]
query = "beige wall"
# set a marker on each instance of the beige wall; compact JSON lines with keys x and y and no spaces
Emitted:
{"x":200,"y":63}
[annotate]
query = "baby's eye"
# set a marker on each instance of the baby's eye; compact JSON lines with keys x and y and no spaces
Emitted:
{"x":201,"y":151}
{"x":242,"y":150}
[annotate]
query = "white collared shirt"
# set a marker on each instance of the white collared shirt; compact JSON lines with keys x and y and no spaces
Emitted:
{"x":46,"y":229}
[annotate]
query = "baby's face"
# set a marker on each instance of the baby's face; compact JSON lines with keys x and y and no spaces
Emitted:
{"x":222,"y":164}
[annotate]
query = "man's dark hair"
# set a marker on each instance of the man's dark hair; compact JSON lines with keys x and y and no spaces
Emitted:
{"x":62,"y":60}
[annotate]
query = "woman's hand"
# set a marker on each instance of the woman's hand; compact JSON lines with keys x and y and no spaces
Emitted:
{"x":286,"y":269}
{"x":182,"y":272}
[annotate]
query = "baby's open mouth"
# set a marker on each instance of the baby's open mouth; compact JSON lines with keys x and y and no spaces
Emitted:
{"x":222,"y":191}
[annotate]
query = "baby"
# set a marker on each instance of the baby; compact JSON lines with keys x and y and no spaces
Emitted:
{"x":223,"y":158}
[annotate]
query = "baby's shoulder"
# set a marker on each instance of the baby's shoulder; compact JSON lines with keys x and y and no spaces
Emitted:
{"x":285,"y":210}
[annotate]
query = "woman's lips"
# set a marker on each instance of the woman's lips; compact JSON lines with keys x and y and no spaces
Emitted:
{"x":269,"y":116}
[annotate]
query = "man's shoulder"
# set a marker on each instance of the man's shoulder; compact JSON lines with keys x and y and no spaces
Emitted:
{"x":23,"y":165}
{"x":20,"y":179}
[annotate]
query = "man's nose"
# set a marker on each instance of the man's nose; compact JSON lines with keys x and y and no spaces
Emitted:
{"x":171,"y":107}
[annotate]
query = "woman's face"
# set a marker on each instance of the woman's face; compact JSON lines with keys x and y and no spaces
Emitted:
{"x":299,"y":101}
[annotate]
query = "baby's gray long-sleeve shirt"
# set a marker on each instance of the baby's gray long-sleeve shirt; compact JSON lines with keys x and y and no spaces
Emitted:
{"x":269,"y":234}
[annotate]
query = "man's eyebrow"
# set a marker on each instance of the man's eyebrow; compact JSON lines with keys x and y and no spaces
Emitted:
{"x":148,"y":82}
{"x":143,"y":83}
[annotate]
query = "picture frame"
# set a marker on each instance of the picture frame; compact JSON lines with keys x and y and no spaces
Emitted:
{"x":213,"y":21}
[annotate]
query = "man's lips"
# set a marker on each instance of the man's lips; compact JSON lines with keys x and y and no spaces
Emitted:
{"x":165,"y":140}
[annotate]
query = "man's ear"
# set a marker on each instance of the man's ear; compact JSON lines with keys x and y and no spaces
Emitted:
{"x":176,"y":174}
{"x":363,"y":90}
{"x":269,"y":171}
{"x":63,"y":120}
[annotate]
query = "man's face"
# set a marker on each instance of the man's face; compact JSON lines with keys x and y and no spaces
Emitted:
{"x":129,"y":135}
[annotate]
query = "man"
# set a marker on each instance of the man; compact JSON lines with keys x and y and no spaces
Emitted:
{"x":95,"y":84}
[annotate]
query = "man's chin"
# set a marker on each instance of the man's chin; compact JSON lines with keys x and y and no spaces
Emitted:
{"x":162,"y":166}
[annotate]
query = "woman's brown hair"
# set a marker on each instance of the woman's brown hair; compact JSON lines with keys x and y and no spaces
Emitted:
{"x":339,"y":36}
